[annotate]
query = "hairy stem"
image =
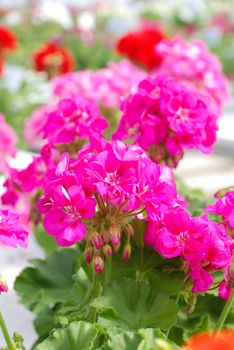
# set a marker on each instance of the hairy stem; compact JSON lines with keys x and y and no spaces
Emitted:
{"x":225,"y":312}
{"x":6,"y":333}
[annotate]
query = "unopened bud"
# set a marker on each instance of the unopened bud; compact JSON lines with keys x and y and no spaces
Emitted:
{"x":88,"y":254}
{"x":98,"y":264}
{"x":223,"y":191}
{"x":107,"y":250}
{"x":127,"y":249}
{"x":3,"y":285}
{"x":129,"y":230}
{"x":96,"y":240}
{"x":115,"y":234}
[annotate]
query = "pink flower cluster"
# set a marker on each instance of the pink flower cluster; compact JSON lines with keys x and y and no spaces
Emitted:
{"x":193,"y":64}
{"x":106,"y":86}
{"x":8,"y":141}
{"x":93,"y":196}
{"x":33,"y":127}
{"x":22,"y":187}
{"x":224,"y":209}
{"x":72,"y":119}
{"x":165,"y":118}
{"x":11,"y":234}
{"x":203,"y":245}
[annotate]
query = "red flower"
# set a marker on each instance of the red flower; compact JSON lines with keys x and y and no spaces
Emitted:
{"x":140,"y":46}
{"x":8,"y":40}
{"x":223,"y":340}
{"x":53,"y":59}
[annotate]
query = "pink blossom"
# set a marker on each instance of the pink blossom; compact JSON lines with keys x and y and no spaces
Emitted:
{"x":165,"y":118}
{"x":91,"y":196}
{"x":8,"y":141}
{"x":34,"y":125}
{"x":106,"y":86}
{"x":224,"y":207}
{"x":194,"y":65}
{"x":21,"y":188}
{"x":201,"y":243}
{"x":71,"y":119}
{"x":11,"y":234}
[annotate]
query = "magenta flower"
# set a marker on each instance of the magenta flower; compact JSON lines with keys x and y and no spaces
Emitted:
{"x":72,"y":119}
{"x":94,"y":197}
{"x":195,"y":66}
{"x":165,"y":118}
{"x":224,"y":207}
{"x":106,"y":86}
{"x":11,"y":234}
{"x":8,"y":141}
{"x":202,"y":244}
{"x":33,"y":127}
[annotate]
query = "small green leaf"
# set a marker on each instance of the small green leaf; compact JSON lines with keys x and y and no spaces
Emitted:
{"x":49,"y":281}
{"x":171,"y":282}
{"x":135,"y":305}
{"x":77,"y":336}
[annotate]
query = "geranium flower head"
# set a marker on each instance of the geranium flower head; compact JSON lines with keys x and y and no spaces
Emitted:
{"x":201,"y":243}
{"x":73,"y":120}
{"x":164,"y":117}
{"x":106,"y":86}
{"x":194,"y":65}
{"x":94,"y":197}
{"x":140,"y":46}
{"x":11,"y":234}
{"x":8,"y":141}
{"x":8,"y":40}
{"x":53,"y":59}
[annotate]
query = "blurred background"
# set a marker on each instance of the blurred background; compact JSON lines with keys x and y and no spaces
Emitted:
{"x":89,"y":29}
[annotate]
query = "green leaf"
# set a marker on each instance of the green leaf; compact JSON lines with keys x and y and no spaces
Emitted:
{"x":49,"y":281}
{"x":45,"y":241}
{"x":171,"y":282}
{"x":122,"y":340}
{"x":133,"y":305}
{"x":77,"y":336}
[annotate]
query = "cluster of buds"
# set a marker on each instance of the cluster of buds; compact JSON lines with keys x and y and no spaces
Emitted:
{"x":159,"y":154}
{"x":109,"y":231}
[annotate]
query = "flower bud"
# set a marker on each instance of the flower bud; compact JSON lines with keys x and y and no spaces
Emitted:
{"x":98,"y":264}
{"x":129,"y":230}
{"x":127,"y":249}
{"x":107,"y":250}
{"x":96,"y":240}
{"x":3,"y":285}
{"x":88,"y":254}
{"x":115,"y":234}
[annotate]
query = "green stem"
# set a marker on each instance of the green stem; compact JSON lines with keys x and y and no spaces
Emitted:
{"x":108,"y":266}
{"x":225,"y":312}
{"x":177,"y":302}
{"x":95,"y":293}
{"x":5,"y":333}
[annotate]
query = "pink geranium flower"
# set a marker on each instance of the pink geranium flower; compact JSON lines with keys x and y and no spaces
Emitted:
{"x":195,"y":66}
{"x":8,"y":141}
{"x":11,"y":234}
{"x":165,"y":118}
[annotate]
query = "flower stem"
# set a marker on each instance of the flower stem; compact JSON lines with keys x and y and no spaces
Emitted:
{"x":225,"y":312}
{"x":5,"y":333}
